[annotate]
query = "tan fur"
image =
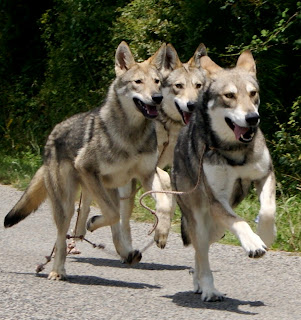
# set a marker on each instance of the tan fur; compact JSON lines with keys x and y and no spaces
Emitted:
{"x":102,"y":151}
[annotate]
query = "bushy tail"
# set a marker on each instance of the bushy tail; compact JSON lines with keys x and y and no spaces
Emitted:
{"x":31,"y":199}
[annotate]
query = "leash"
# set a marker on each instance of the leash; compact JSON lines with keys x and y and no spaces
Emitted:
{"x":172,"y":192}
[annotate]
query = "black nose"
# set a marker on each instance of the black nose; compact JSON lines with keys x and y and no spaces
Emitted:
{"x":157,"y":98}
{"x":190,"y":106}
{"x":252,"y":118}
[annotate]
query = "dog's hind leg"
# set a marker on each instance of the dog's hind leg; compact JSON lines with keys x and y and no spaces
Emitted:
{"x":86,"y":201}
{"x":61,"y":187}
{"x":267,"y":195}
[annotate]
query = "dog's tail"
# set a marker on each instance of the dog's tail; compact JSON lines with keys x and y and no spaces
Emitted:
{"x":31,"y":199}
{"x":184,"y":233}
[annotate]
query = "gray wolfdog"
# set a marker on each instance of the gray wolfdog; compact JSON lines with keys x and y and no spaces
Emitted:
{"x":101,"y":151}
{"x":181,"y":85}
{"x":217,"y":157}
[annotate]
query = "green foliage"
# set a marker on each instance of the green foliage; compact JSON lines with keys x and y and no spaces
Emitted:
{"x":19,"y":168}
{"x":57,"y":59}
{"x":286,"y":150}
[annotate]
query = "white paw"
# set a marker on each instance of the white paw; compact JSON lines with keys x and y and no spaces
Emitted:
{"x":266,"y":229}
{"x":253,"y":245}
{"x":80,"y":233}
{"x":91,"y":224}
{"x":53,"y":275}
{"x":161,"y":238}
{"x":209,"y":294}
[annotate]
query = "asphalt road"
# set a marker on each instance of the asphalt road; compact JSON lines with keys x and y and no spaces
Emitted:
{"x":159,"y":287}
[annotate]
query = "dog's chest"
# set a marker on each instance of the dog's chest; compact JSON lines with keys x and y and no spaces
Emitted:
{"x":223,"y":177}
{"x":167,"y":139}
{"x":115,"y":175}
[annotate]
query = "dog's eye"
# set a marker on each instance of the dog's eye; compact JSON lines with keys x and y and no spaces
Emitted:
{"x":198,"y":85}
{"x":138,"y":81}
{"x":253,"y":93}
{"x":229,"y":95}
{"x":179,"y":86}
{"x":157,"y":81}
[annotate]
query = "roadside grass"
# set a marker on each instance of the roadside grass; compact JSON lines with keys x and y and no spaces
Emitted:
{"x":18,"y":171}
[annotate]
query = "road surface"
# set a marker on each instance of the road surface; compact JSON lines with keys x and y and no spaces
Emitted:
{"x":159,"y":287}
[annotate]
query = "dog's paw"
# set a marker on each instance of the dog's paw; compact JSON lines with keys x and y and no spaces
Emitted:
{"x":91,"y":223}
{"x":80,"y":233}
{"x":133,"y":257}
{"x":53,"y":275}
{"x":209,"y":294}
{"x":254,"y":246}
{"x":160,"y":239}
{"x":266,"y":230}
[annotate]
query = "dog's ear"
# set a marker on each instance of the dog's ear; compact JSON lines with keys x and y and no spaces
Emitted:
{"x":158,"y":58}
{"x":123,"y":58}
{"x":246,"y":61}
{"x":209,"y":66}
{"x":171,"y":61}
{"x":200,"y":52}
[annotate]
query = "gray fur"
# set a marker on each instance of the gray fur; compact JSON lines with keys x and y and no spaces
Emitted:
{"x":228,"y":162}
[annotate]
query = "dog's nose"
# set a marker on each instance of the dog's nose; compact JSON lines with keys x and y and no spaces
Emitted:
{"x":157,"y":98}
{"x":252,"y":118}
{"x":190,"y":106}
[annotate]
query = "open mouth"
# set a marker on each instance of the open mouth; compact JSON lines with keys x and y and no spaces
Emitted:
{"x":243,"y":134}
{"x":185,"y":115}
{"x":148,"y":110}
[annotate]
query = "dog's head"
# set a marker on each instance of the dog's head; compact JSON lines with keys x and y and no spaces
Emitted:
{"x":182,"y":84}
{"x":233,"y":99}
{"x":138,"y":85}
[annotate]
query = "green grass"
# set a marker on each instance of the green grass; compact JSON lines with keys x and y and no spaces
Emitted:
{"x":18,"y":170}
{"x":288,"y":219}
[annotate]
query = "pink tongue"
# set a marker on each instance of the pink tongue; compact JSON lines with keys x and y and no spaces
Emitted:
{"x":238,"y":131}
{"x":187,"y":116}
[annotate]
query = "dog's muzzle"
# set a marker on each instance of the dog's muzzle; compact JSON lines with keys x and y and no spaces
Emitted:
{"x":149,"y":110}
{"x":184,"y":114}
{"x":244,"y":134}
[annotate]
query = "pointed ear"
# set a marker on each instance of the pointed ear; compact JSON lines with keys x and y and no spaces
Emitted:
{"x":200,"y":52}
{"x":172,"y":60}
{"x":209,"y":66}
{"x":158,"y":58}
{"x":246,"y":61}
{"x":123,"y":58}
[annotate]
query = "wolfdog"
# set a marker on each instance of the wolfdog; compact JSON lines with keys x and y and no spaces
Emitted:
{"x":181,"y":89}
{"x":217,"y":157}
{"x":182,"y":83}
{"x":100,"y":151}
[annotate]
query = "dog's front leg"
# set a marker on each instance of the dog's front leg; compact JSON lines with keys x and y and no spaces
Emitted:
{"x":267,"y":195}
{"x":224,"y":215}
{"x":165,"y":204}
{"x":121,"y":231}
{"x":202,"y":276}
{"x":127,"y":198}
{"x":107,"y":199}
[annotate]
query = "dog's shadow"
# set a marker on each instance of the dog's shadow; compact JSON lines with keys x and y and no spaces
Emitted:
{"x":190,"y":299}
{"x":101,"y":262}
{"x":98,"y":281}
